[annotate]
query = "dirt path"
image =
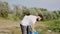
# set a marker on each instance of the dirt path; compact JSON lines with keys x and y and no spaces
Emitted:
{"x":7,"y":26}
{"x":7,"y":23}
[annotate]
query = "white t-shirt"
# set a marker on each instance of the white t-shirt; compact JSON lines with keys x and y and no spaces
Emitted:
{"x":27,"y":20}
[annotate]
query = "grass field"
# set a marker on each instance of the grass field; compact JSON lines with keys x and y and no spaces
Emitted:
{"x":45,"y":27}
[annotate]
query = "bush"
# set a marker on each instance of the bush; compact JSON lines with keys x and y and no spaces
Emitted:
{"x":4,"y":8}
{"x":54,"y":25}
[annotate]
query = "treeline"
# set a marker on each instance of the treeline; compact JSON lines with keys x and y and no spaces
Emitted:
{"x":18,"y":12}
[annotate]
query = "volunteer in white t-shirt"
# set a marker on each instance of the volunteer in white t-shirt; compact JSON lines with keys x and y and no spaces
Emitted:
{"x":29,"y":21}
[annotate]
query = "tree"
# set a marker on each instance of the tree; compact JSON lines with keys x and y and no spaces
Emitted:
{"x":4,"y":9}
{"x":16,"y":12}
{"x":42,"y":9}
{"x":57,"y":13}
{"x":25,"y":11}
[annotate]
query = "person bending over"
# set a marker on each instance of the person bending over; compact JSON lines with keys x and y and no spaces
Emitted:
{"x":29,"y":21}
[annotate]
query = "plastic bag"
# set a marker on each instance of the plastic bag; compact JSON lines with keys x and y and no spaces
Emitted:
{"x":35,"y":32}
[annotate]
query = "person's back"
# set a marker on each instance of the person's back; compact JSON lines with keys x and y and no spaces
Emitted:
{"x":24,"y":21}
{"x":27,"y":20}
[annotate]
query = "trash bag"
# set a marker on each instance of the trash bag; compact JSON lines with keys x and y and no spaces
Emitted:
{"x":35,"y":32}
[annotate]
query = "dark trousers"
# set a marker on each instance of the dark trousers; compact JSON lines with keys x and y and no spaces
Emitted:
{"x":24,"y":29}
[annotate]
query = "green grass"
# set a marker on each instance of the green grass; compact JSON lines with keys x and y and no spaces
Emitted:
{"x":53,"y":25}
{"x":42,"y":26}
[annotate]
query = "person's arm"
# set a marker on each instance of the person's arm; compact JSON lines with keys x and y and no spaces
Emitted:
{"x":32,"y":27}
{"x":33,"y":20}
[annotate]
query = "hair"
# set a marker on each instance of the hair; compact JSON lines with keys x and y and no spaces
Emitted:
{"x":40,"y":15}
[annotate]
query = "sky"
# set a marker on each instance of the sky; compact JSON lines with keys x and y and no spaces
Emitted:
{"x":48,"y":4}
